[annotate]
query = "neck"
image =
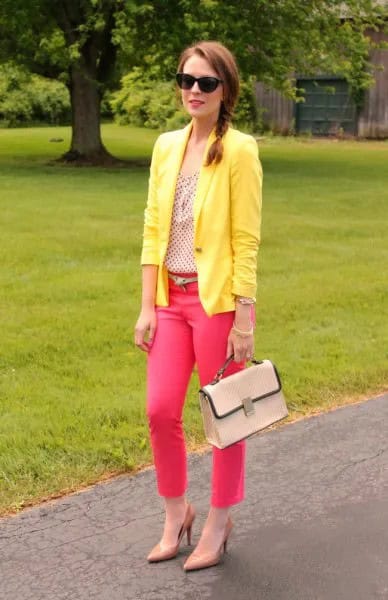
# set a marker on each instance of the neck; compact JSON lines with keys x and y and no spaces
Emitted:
{"x":202,"y":129}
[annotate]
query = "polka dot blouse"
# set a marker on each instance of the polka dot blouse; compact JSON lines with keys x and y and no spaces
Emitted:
{"x":180,"y":250}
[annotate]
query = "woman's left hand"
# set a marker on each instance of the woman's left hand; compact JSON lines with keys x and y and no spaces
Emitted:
{"x":241,"y":347}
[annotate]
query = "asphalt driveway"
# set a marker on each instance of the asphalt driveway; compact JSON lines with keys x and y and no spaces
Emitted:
{"x":314,"y":525}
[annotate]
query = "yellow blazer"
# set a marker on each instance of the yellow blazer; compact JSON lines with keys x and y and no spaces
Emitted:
{"x":227,"y":217}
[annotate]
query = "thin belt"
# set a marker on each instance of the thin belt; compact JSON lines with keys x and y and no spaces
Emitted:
{"x":182,"y":281}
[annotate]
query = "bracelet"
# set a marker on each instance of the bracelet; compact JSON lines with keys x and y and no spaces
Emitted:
{"x":241,"y":333}
{"x":244,"y":300}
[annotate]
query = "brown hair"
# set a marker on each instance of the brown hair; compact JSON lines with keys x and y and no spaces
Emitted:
{"x":224,"y":63}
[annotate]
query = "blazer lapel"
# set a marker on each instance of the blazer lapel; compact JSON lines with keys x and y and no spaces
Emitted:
{"x":173,"y":165}
{"x":205,"y":177}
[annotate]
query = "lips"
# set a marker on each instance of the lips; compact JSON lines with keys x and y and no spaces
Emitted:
{"x":196,"y":102}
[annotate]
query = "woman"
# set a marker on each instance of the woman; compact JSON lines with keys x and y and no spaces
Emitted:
{"x":199,"y":259}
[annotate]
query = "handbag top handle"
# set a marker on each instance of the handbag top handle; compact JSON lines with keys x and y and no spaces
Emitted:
{"x":226,"y":364}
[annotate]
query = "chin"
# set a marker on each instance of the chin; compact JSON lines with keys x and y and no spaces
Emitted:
{"x":199,"y":114}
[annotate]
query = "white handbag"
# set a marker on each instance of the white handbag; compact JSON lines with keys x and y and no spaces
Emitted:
{"x":241,"y":404}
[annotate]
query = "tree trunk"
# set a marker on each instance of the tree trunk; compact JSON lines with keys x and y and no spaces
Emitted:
{"x":86,"y":144}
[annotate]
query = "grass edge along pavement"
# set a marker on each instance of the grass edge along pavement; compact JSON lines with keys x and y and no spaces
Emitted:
{"x":72,"y":384}
{"x":197,"y":449}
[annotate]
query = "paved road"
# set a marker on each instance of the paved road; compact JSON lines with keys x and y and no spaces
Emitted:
{"x":314,"y":525}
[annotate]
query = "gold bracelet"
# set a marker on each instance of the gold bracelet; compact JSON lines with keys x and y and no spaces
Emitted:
{"x":244,"y":300}
{"x":241,"y":333}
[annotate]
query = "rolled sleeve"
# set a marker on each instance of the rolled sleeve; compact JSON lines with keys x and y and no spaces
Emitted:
{"x":246,"y":203}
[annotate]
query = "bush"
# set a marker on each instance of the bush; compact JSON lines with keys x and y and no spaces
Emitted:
{"x":106,"y":109}
{"x":27,"y":98}
{"x":50,"y":100}
{"x":144,"y":102}
{"x":246,"y":114}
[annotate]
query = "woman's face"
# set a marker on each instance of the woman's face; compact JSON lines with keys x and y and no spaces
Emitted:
{"x":201,"y":105}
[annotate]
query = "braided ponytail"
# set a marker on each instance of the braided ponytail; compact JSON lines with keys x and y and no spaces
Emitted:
{"x":216,"y":150}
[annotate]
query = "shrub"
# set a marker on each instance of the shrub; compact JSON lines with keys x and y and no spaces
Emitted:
{"x":145,"y":102}
{"x":50,"y":100}
{"x":106,"y":109}
{"x":246,"y":114}
{"x":27,"y":98}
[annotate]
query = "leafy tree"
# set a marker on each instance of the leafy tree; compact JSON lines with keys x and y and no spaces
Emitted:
{"x":76,"y":43}
{"x":273,"y":40}
{"x":87,"y":43}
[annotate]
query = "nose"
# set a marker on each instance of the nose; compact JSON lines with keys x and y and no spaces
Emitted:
{"x":195,"y":87}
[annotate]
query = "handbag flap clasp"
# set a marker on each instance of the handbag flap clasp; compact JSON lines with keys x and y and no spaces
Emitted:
{"x":249,"y":409}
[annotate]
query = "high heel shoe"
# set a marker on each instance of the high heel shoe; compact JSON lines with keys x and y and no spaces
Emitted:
{"x":158,"y":553}
{"x":197,"y":561}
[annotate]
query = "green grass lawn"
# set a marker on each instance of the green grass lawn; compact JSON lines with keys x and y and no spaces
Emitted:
{"x":72,"y":383}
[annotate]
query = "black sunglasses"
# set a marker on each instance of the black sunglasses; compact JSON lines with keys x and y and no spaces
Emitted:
{"x":205,"y":84}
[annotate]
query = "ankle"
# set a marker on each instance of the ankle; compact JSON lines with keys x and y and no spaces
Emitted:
{"x":219,"y":514}
{"x":217,"y":518}
{"x":175,"y":507}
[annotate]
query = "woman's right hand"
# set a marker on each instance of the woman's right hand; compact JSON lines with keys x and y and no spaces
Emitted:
{"x":146,"y":324}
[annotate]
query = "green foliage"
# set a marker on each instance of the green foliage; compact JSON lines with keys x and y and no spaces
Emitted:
{"x":106,"y":108}
{"x":15,"y":105}
{"x":26,"y":98}
{"x":246,"y":114}
{"x":142,"y":101}
{"x":270,"y":39}
{"x":50,"y":100}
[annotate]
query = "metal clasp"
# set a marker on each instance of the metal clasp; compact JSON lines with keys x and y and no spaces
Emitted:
{"x":249,"y":409}
{"x":182,"y":281}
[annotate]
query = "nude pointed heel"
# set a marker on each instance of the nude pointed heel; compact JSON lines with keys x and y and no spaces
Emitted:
{"x":189,"y":534}
{"x":158,"y":553}
{"x":197,"y":561}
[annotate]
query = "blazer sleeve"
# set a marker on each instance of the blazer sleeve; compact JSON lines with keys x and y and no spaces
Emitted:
{"x":246,"y":202}
{"x":150,"y":249}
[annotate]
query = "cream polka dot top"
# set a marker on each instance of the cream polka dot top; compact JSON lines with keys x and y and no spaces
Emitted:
{"x":180,"y":250}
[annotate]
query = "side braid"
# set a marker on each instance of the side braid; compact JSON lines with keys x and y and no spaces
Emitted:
{"x":216,"y":149}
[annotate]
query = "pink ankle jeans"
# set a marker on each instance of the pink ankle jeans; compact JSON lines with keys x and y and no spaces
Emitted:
{"x":185,"y":335}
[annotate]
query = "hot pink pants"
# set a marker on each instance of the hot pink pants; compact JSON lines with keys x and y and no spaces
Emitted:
{"x":185,"y":335}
